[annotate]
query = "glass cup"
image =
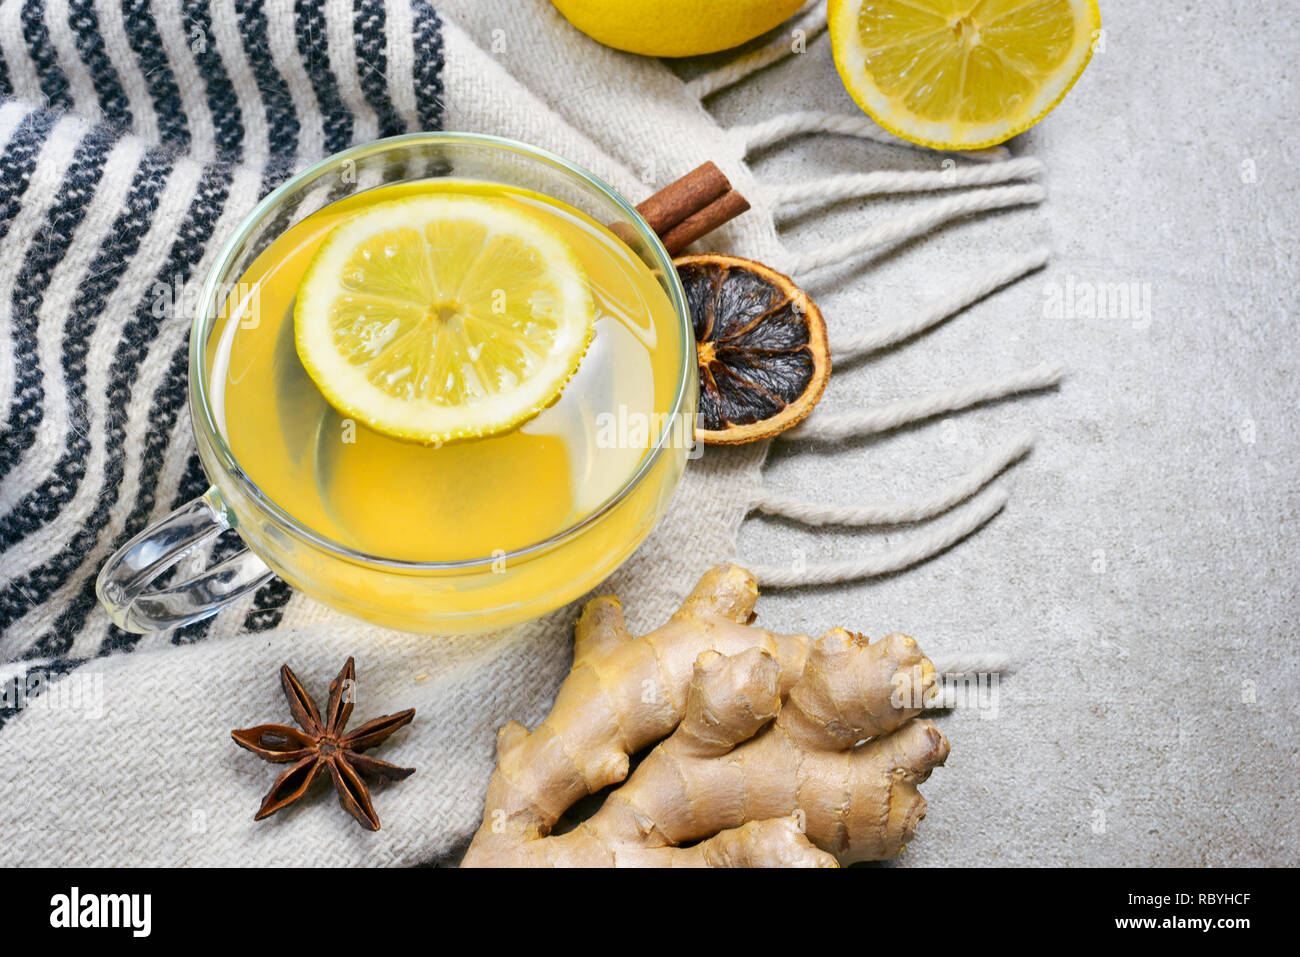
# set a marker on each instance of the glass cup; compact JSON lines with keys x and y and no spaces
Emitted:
{"x":464,"y":596}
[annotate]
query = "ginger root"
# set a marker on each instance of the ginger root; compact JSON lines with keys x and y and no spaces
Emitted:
{"x":774,"y":750}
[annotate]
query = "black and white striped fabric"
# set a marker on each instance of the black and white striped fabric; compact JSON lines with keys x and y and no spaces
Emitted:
{"x":134,"y":136}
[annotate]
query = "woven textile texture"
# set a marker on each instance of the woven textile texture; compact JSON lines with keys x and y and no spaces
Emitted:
{"x":134,"y":137}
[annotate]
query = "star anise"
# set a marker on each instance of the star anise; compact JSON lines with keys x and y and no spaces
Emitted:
{"x":324,"y":746}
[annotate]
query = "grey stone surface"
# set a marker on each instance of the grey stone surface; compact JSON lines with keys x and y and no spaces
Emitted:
{"x":1144,"y":576}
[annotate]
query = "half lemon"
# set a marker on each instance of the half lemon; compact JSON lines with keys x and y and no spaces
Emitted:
{"x":961,"y":74}
{"x":443,"y":317}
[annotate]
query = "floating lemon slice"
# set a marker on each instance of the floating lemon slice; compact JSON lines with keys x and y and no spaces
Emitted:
{"x":443,"y":317}
{"x":961,"y":74}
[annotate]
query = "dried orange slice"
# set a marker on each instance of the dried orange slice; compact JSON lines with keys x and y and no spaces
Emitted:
{"x":761,"y":344}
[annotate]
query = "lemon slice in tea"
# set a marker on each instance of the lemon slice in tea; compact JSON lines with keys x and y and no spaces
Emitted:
{"x":961,"y":74}
{"x":443,"y":317}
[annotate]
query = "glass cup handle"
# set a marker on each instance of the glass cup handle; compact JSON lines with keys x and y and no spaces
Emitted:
{"x":124,"y":580}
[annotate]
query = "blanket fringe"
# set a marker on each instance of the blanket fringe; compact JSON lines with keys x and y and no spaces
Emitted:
{"x":937,"y":539}
{"x":811,"y":24}
{"x":843,"y":425}
{"x":913,"y":224}
{"x":758,"y":136}
{"x":881,"y":336}
{"x":972,"y":663}
{"x":830,"y":189}
{"x":992,"y":168}
{"x":916,"y":509}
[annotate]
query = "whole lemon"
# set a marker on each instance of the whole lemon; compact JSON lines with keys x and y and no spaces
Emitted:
{"x":675,"y":27}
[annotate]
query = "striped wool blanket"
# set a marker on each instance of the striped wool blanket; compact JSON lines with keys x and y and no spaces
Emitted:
{"x":135,"y":140}
{"x":134,"y":136}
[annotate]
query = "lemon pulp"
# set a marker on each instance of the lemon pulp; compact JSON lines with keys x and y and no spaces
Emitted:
{"x":961,"y":74}
{"x":446,"y":317}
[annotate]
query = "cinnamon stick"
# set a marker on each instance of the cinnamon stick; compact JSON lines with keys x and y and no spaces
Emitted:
{"x":727,"y":207}
{"x":689,"y":208}
{"x":684,"y":197}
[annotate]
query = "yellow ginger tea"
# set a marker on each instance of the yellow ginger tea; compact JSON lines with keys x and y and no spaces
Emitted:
{"x":475,"y":498}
